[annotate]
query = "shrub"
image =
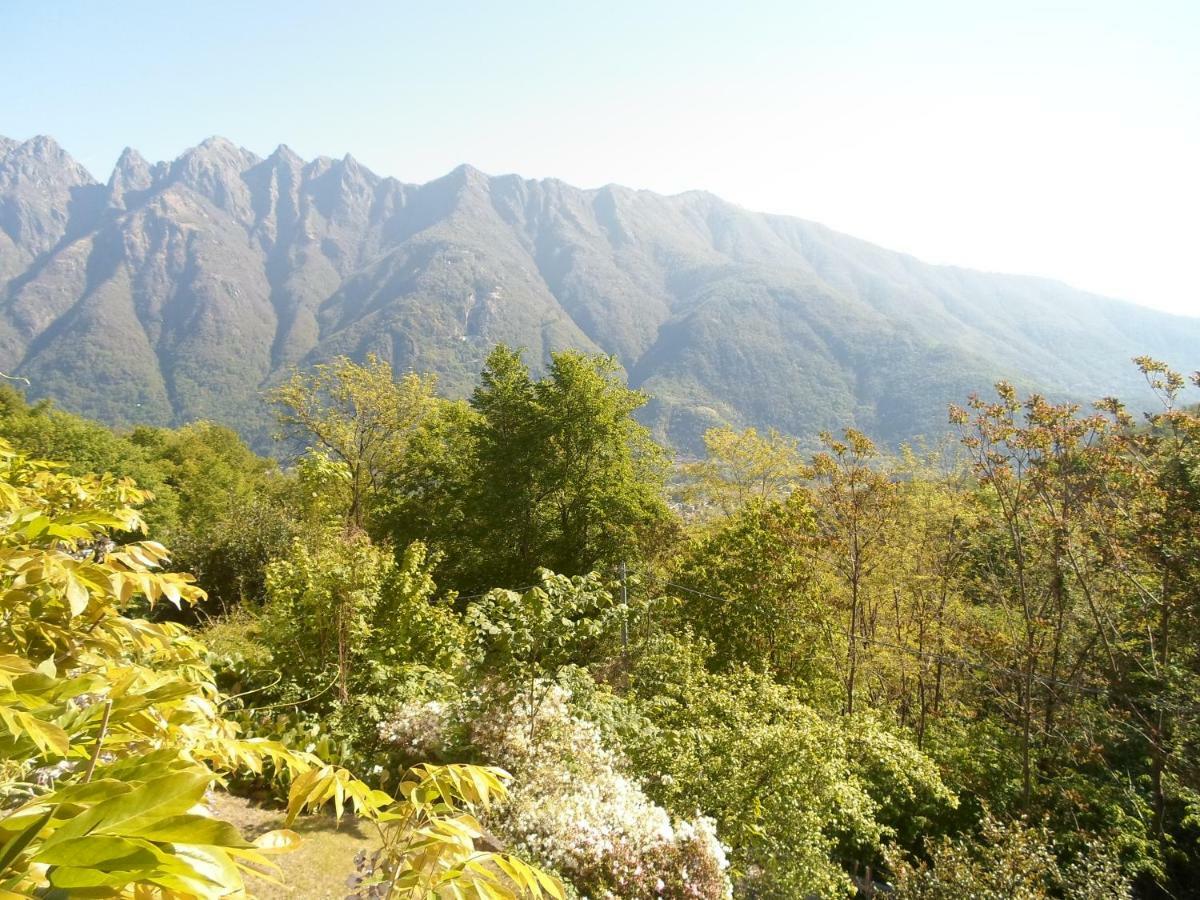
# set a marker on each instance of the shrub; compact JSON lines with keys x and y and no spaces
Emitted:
{"x":575,"y":808}
{"x":1008,"y":861}
{"x":113,"y":730}
{"x":800,"y":797}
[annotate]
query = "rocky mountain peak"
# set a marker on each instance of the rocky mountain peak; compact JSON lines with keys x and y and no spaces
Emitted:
{"x":246,"y":267}
{"x":40,"y":160}
{"x":462,"y":186}
{"x":43,"y":148}
{"x":132,"y":175}
{"x":284,"y":155}
{"x":41,"y":188}
{"x":131,"y":164}
{"x":355,"y":173}
{"x":214,"y":169}
{"x":215,"y":155}
{"x":218,"y":146}
{"x":470,"y":176}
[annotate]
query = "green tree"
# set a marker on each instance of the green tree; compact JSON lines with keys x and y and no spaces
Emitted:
{"x":429,"y":497}
{"x":567,"y":477}
{"x":741,"y":466}
{"x":343,"y":611}
{"x":748,"y":586}
{"x":1035,"y":463}
{"x":553,"y":473}
{"x":235,"y":509}
{"x":223,"y":509}
{"x":1009,"y":861}
{"x":800,"y":797}
{"x":523,"y":640}
{"x":925,"y":618}
{"x":45,"y":432}
{"x":360,"y":416}
{"x":855,"y":503}
{"x":1149,"y":512}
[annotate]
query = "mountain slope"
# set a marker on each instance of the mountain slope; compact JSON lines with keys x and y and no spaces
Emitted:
{"x":180,"y":290}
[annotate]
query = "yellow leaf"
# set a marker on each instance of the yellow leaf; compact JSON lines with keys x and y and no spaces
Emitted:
{"x":282,"y":840}
{"x":45,"y":735}
{"x":77,"y":595}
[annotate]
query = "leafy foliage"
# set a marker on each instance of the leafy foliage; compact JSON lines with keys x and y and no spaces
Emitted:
{"x":554,"y":473}
{"x":359,"y":416}
{"x":428,"y":843}
{"x":524,"y":640}
{"x":347,"y":624}
{"x":795,"y":794}
{"x":222,"y":509}
{"x":740,"y":466}
{"x":753,"y":593}
{"x":114,"y":729}
{"x":954,"y":674}
{"x":1009,"y":861}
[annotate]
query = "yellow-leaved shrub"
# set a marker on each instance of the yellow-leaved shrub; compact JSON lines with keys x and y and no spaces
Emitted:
{"x":111,"y":728}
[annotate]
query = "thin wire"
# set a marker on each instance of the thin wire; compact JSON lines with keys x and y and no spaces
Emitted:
{"x":320,"y":693}
{"x":517,"y":590}
{"x":256,"y":690}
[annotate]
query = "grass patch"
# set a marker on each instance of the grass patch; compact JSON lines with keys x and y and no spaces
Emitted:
{"x":319,"y":867}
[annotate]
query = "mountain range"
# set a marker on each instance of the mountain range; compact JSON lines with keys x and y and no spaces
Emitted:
{"x":181,"y":290}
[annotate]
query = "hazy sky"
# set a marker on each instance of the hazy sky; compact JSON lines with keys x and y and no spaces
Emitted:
{"x":1050,"y":139}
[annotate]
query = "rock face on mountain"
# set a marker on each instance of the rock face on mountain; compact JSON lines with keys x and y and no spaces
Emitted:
{"x":181,"y":290}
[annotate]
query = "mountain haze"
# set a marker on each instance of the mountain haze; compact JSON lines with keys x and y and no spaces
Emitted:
{"x":180,"y":290}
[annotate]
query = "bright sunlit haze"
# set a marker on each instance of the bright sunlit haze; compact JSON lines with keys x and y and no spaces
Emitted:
{"x":1061,"y":144}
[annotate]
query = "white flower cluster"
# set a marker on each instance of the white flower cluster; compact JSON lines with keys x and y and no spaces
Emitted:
{"x":418,"y":728}
{"x":573,"y":809}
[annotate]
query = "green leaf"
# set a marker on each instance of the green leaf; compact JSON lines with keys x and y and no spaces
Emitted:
{"x":150,"y":802}
{"x":92,"y":792}
{"x":134,"y":769}
{"x":100,"y":851}
{"x":282,"y":840}
{"x":77,"y":594}
{"x":20,"y":841}
{"x":70,"y":878}
{"x":191,"y":829}
{"x":213,"y":865}
{"x":46,"y":736}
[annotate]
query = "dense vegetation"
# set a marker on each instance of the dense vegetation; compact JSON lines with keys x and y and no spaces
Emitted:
{"x":115,"y":730}
{"x":971,"y":669}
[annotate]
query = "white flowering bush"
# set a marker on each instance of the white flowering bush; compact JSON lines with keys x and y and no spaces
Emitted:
{"x":571,"y":806}
{"x":416,"y":728}
{"x":576,"y":811}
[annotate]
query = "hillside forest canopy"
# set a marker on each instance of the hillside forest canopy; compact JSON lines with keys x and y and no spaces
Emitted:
{"x":540,"y":657}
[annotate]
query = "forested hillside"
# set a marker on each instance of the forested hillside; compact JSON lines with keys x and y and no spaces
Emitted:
{"x":962,"y":670}
{"x":179,"y":291}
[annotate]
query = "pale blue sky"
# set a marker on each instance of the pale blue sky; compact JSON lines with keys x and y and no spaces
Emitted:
{"x":1051,"y":139}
